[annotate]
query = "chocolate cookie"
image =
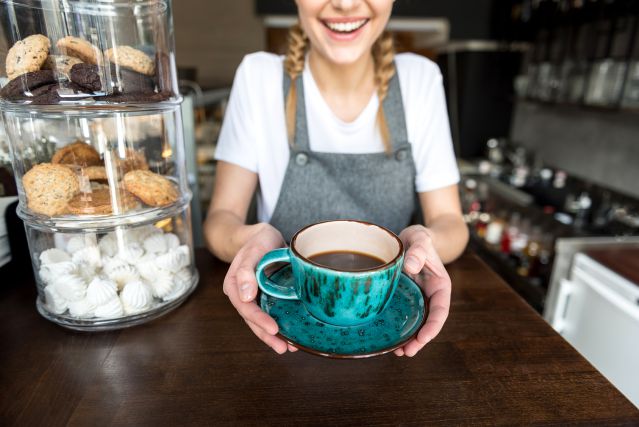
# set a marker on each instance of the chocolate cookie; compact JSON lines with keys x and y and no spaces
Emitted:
{"x":163,"y":72}
{"x":99,"y":202}
{"x":137,"y":97}
{"x":77,"y":153}
{"x":49,"y":188}
{"x":80,"y":48}
{"x":131,"y":58}
{"x":60,"y":63}
{"x":18,"y":88}
{"x":27,"y":55}
{"x":87,"y":76}
{"x":151,"y":188}
{"x":94,"y":79}
{"x":55,"y":93}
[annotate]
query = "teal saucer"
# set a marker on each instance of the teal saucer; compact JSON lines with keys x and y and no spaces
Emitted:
{"x":389,"y":330}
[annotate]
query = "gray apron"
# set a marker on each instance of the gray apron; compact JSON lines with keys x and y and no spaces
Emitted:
{"x":374,"y":187}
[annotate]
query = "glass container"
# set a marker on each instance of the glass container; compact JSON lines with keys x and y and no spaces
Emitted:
{"x":106,"y":168}
{"x":110,"y":278}
{"x":74,"y":52}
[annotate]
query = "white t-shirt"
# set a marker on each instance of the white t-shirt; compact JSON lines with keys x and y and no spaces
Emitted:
{"x":254,"y":137}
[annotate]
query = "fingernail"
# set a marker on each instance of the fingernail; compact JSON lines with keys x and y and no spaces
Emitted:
{"x":412,"y":263}
{"x":245,"y":292}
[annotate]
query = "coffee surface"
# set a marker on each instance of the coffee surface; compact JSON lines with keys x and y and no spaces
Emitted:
{"x":347,"y":260}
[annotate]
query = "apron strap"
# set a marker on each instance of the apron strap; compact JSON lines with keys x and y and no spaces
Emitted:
{"x":394,"y":112}
{"x":301,"y":139}
{"x":393,"y":106}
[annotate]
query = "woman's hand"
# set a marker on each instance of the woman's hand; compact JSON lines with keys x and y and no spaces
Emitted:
{"x":240,"y":285}
{"x":422,"y":263}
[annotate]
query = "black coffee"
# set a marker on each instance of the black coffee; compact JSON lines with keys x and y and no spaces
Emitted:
{"x":347,"y":260}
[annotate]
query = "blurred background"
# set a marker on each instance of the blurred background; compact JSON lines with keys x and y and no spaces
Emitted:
{"x":543,"y":99}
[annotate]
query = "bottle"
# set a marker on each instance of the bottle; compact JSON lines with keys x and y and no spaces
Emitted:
{"x":482,"y":224}
{"x":530,"y":267}
{"x":495,"y":230}
{"x":510,"y":234}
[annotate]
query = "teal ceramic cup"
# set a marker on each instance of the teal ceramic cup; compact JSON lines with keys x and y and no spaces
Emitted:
{"x":338,"y":297}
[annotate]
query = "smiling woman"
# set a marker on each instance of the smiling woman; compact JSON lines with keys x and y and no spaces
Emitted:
{"x":340,"y":127}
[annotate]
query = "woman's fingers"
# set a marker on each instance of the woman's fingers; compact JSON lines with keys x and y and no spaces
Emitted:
{"x":248,"y":310}
{"x":245,"y":272}
{"x":280,"y":346}
{"x":438,"y":309}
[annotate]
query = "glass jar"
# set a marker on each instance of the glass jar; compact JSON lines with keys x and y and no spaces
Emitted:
{"x":79,"y":52}
{"x":105,"y":202}
{"x":75,"y":169}
{"x":108,"y":278}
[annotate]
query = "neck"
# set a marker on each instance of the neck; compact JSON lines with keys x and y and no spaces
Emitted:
{"x":346,"y":79}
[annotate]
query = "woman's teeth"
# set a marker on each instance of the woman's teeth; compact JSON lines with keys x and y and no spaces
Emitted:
{"x":345,"y":27}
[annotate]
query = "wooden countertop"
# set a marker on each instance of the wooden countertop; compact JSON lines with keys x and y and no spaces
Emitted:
{"x":495,"y":362}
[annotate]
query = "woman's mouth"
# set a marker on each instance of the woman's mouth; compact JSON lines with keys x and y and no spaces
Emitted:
{"x":345,"y":26}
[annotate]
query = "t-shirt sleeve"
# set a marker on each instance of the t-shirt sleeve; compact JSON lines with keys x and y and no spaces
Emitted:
{"x":236,"y":143}
{"x":432,"y":145}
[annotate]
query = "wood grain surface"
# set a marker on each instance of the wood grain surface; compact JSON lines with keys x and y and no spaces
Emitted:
{"x":495,"y":363}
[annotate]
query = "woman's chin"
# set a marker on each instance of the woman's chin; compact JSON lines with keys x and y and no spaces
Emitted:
{"x":344,"y":55}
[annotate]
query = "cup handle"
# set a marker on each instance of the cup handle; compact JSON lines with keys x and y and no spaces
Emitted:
{"x":267,"y":285}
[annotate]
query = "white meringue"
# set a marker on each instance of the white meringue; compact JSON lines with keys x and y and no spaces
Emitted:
{"x":163,"y":284}
{"x":174,"y":260}
{"x":145,"y":232}
{"x":172,"y":241}
{"x":70,"y":286}
{"x":88,"y":256}
{"x":81,"y":308}
{"x":53,"y":301}
{"x":87,"y":272}
{"x":147,"y":268}
{"x":187,"y":254}
{"x":136,"y":297}
{"x":155,"y":243}
{"x":54,"y":255}
{"x":182,"y":280}
{"x":108,"y":245}
{"x":100,"y":291}
{"x":75,"y":243}
{"x":49,"y":272}
{"x":109,"y":264}
{"x":113,"y":308}
{"x":131,"y":253}
{"x":123,"y":275}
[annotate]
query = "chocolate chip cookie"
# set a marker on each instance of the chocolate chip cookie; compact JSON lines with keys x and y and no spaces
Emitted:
{"x":131,"y":58}
{"x":79,"y":48}
{"x":27,"y":55}
{"x":99,"y":202}
{"x":132,"y":160}
{"x":49,"y":188}
{"x":151,"y":188}
{"x":60,"y":63}
{"x":77,"y":153}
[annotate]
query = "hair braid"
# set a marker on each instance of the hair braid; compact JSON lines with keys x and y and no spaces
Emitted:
{"x":294,"y":66}
{"x":383,"y":56}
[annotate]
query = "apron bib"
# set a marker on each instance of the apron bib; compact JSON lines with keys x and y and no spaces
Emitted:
{"x":373,"y":187}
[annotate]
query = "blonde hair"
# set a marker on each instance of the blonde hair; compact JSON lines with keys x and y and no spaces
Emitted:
{"x":383,"y":55}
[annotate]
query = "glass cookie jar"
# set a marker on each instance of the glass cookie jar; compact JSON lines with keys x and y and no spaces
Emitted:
{"x":105,"y":202}
{"x":79,"y":52}
{"x":99,"y":279}
{"x":75,"y":169}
